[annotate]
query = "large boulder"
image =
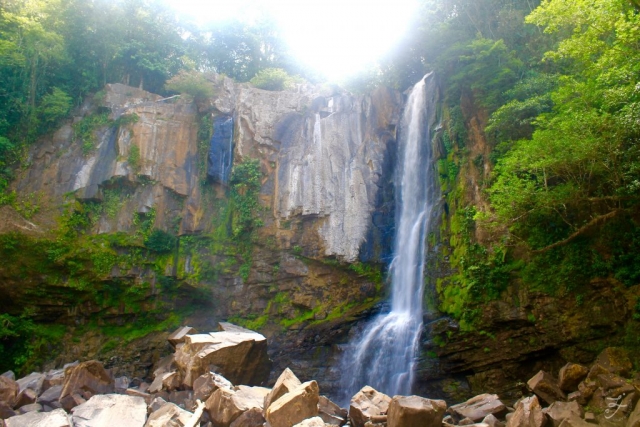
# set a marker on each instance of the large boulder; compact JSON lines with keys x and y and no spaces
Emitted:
{"x":85,"y":379}
{"x":311,"y":422}
{"x":169,"y":415}
{"x":367,"y":403}
{"x":33,"y":381}
{"x":9,"y":390}
{"x":478,"y":407}
{"x":57,"y":418}
{"x":241,"y":357}
{"x":206,"y":384}
{"x":528,"y":413}
{"x":179,"y":334}
{"x":226,"y":405}
{"x":559,"y":411}
{"x":545,"y":386}
{"x":415,"y":411}
{"x":286,"y":382}
{"x":293,"y":407}
{"x":615,"y":360}
{"x":571,"y":375}
{"x":331,"y":413}
{"x":106,"y":410}
{"x":251,"y":418}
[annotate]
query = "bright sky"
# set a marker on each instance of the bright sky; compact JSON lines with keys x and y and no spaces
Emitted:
{"x":337,"y":38}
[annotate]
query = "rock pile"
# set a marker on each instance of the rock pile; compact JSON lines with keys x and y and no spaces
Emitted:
{"x":192,"y":388}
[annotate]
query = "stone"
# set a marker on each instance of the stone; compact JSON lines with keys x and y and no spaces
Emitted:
{"x":111,"y":410}
{"x":559,"y":411}
{"x":169,"y":415}
{"x":157,"y":383}
{"x":51,"y":395}
{"x":250,"y":418}
{"x":9,"y":390}
{"x":171,"y":381}
{"x":596,"y":369}
{"x":590,"y":417}
{"x":528,"y":413}
{"x":575,"y":422}
{"x":88,"y":377}
{"x":571,"y":375}
{"x":225,"y":405}
{"x":331,"y":413}
{"x":615,"y":360}
{"x":56,"y":418}
{"x":26,"y":397}
{"x":478,"y":407}
{"x":32,"y":407}
{"x":6,"y":411}
{"x":9,"y":374}
{"x":164,"y":365}
{"x":286,"y":382}
{"x":182,"y":398}
{"x":293,"y":407}
{"x":415,"y":411}
{"x":492,"y":421}
{"x":311,"y":422}
{"x":137,"y":393}
{"x":241,"y":357}
{"x":178,"y":335}
{"x":586,"y":389}
{"x":53,"y":378}
{"x":634,"y":418}
{"x":33,"y":381}
{"x":71,"y":401}
{"x":206,"y":384}
{"x":121,"y":384}
{"x":577,"y":396}
{"x":156,"y":404}
{"x":545,"y":386}
{"x":466,"y":422}
{"x":366,"y":403}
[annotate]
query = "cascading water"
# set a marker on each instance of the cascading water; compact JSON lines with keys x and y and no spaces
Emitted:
{"x":384,"y":355}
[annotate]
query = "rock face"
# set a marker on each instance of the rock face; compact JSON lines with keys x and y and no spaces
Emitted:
{"x":415,"y":411}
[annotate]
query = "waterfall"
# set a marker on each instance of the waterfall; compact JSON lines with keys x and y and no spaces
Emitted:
{"x":383,"y":356}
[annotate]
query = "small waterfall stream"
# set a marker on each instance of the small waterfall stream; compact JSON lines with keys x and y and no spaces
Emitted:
{"x":384,"y":355}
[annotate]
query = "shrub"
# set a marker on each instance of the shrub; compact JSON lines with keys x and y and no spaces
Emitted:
{"x":273,"y":79}
{"x":160,"y":241}
{"x":191,"y":83}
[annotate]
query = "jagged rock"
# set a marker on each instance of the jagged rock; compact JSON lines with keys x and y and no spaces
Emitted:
{"x":545,"y":386}
{"x":157,"y":383}
{"x":299,"y":404}
{"x":479,"y":407}
{"x":528,"y":413}
{"x":571,"y":375}
{"x":559,"y":411}
{"x":33,"y":381}
{"x":590,"y":417}
{"x":586,"y":389}
{"x":169,"y":415}
{"x":110,"y":410}
{"x":415,"y":411}
{"x":311,"y":422}
{"x":137,"y":393}
{"x":156,"y":404}
{"x":251,"y":418}
{"x":367,"y":403}
{"x":331,"y":413}
{"x":634,"y":418}
{"x":171,"y":381}
{"x":121,"y":384}
{"x":577,"y":396}
{"x":178,"y":335}
{"x":32,"y":407}
{"x":241,"y":357}
{"x":53,"y":378}
{"x":26,"y":397}
{"x":466,"y":422}
{"x":206,"y":384}
{"x":6,"y":411}
{"x":614,"y":384}
{"x":88,"y":377}
{"x":9,"y":390}
{"x":164,"y":365}
{"x":182,"y":398}
{"x":575,"y":422}
{"x":615,"y":360}
{"x":596,"y":369}
{"x":286,"y":382}
{"x":9,"y":374}
{"x":225,"y":405}
{"x":56,"y":418}
{"x":492,"y":421}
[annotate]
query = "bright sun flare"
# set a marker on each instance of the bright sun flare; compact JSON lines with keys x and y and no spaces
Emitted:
{"x":337,"y":38}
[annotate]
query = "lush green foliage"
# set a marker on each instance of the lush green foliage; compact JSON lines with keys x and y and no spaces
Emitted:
{"x":273,"y":79}
{"x":191,"y":83}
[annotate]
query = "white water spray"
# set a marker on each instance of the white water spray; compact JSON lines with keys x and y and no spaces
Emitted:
{"x":384,"y":355}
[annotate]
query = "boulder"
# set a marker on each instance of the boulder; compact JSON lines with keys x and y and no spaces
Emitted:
{"x":206,"y":384}
{"x":53,"y":378}
{"x":559,"y":411}
{"x":286,"y":382}
{"x":111,"y":410}
{"x":9,"y":390}
{"x":478,"y":407}
{"x":156,"y":404}
{"x":528,"y":413}
{"x":634,"y":418}
{"x":251,"y":418}
{"x":492,"y":421}
{"x":6,"y":411}
{"x":182,"y":398}
{"x":615,"y":360}
{"x":366,"y":403}
{"x":331,"y":413}
{"x":164,"y":365}
{"x":226,"y":405}
{"x":241,"y":357}
{"x":57,"y":418}
{"x":33,"y":381}
{"x":32,"y":407}
{"x":121,"y":384}
{"x":571,"y":375}
{"x":178,"y":335}
{"x":293,"y":407}
{"x":171,"y":381}
{"x":87,"y":377}
{"x":466,"y":422}
{"x":169,"y":415}
{"x":137,"y":393}
{"x":26,"y":397}
{"x":545,"y":386}
{"x":415,"y":411}
{"x":311,"y":422}
{"x":586,"y":389}
{"x":575,"y":422}
{"x":9,"y":374}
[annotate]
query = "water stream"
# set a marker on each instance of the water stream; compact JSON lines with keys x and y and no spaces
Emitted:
{"x":383,"y":356}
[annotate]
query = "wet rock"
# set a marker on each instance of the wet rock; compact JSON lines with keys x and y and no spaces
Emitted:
{"x":615,"y":360}
{"x":331,"y":413}
{"x":241,"y":357}
{"x":415,"y":411}
{"x":57,"y":418}
{"x":479,"y":407}
{"x":286,"y":382}
{"x":528,"y":413}
{"x":87,"y":377}
{"x":169,"y":415}
{"x":206,"y":384}
{"x":545,"y":386}
{"x":492,"y":421}
{"x":571,"y":375}
{"x":9,"y":390}
{"x":225,"y":405}
{"x":559,"y":411}
{"x":366,"y":403}
{"x":251,"y":418}
{"x":111,"y":410}
{"x":291,"y":408}
{"x":178,"y":335}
